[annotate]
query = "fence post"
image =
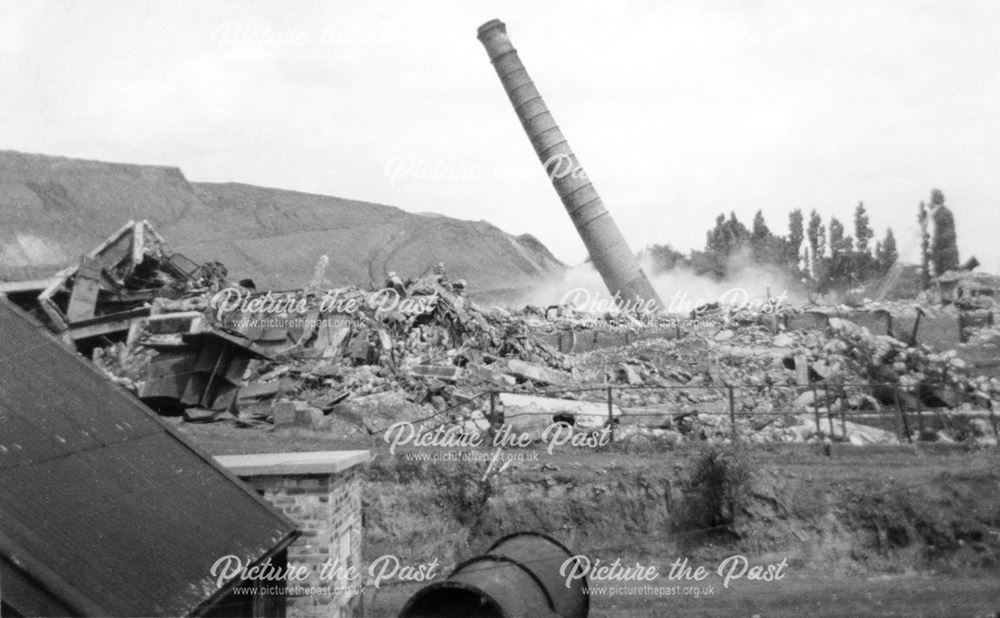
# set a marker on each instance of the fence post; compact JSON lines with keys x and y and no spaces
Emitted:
{"x":611,"y":415}
{"x":819,"y":429}
{"x":829,"y":410}
{"x":902,"y":416}
{"x":993,"y":419}
{"x":732,"y":412}
{"x":843,"y":412}
{"x":920,"y":419}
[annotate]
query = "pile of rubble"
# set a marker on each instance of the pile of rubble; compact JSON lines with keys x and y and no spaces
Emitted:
{"x":890,"y":371}
{"x":431,"y":344}
{"x":231,"y":352}
{"x":188,"y":341}
{"x":117,"y":282}
{"x":431,"y":358}
{"x":986,"y":336}
{"x":840,"y":383}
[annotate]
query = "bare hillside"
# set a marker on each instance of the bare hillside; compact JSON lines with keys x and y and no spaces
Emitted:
{"x":55,"y":209}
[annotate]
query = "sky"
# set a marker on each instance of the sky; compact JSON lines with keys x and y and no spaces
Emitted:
{"x":677,"y":110}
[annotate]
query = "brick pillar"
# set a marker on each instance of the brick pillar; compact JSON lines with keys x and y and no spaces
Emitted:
{"x":324,"y":500}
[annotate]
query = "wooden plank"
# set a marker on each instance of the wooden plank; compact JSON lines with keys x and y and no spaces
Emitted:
{"x":86,"y":288}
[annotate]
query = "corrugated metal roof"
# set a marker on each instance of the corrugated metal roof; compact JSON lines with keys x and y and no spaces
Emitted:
{"x":98,"y":492}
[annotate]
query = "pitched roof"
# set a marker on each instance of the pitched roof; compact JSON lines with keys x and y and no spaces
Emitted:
{"x":104,"y":506}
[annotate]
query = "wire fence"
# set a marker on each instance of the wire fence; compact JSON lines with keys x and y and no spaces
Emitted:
{"x":832,"y":406}
{"x":890,"y":405}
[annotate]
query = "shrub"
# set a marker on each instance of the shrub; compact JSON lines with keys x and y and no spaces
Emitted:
{"x":720,"y":485}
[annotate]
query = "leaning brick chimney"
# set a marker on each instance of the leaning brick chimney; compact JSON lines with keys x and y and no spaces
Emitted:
{"x":611,"y":255}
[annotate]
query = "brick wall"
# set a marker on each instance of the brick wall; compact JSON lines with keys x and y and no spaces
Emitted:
{"x":327,"y":508}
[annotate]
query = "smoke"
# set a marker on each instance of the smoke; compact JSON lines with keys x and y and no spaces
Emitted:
{"x":681,"y":289}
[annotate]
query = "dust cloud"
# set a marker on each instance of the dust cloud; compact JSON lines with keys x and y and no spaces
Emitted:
{"x":681,"y":290}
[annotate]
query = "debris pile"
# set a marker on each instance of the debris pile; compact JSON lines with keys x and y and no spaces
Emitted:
{"x":967,"y":289}
{"x":176,"y":363}
{"x":854,"y":383}
{"x":849,"y":353}
{"x":187,"y":341}
{"x":117,"y":282}
{"x":421,"y":338}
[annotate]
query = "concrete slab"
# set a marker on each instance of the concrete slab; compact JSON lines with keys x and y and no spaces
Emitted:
{"x":314,"y":462}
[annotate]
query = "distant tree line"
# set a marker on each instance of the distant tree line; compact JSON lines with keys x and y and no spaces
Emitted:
{"x":821,"y":255}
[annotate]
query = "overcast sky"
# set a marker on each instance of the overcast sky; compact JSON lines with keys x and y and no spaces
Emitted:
{"x":677,"y":110}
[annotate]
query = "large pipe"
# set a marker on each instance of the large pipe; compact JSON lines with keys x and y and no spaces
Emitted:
{"x":545,"y":556}
{"x":519,"y":576}
{"x":604,"y":241}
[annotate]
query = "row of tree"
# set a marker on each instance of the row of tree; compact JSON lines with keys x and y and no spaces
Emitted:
{"x":822,"y":255}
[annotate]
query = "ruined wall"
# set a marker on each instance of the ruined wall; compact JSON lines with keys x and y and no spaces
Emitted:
{"x":585,"y":340}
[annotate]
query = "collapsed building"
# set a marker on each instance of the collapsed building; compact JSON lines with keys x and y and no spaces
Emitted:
{"x":969,"y":290}
{"x":99,"y":297}
{"x":115,"y":292}
{"x":187,"y":341}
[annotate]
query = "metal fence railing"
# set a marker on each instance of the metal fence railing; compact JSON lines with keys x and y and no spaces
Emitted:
{"x":889,"y":405}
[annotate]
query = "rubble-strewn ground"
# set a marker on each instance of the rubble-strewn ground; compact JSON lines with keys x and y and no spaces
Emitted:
{"x":872,"y":458}
{"x":355,"y":360}
{"x":869,"y":524}
{"x":435,"y":368}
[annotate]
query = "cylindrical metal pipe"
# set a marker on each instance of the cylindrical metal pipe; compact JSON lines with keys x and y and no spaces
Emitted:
{"x":608,"y":249}
{"x":544,"y":557}
{"x":519,"y":576}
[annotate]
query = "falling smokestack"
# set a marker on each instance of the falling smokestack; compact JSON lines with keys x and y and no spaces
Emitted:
{"x":607,"y":247}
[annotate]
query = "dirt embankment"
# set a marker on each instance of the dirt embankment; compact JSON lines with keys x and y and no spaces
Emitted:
{"x":852,"y":513}
{"x":861,"y":510}
{"x":449,"y":512}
